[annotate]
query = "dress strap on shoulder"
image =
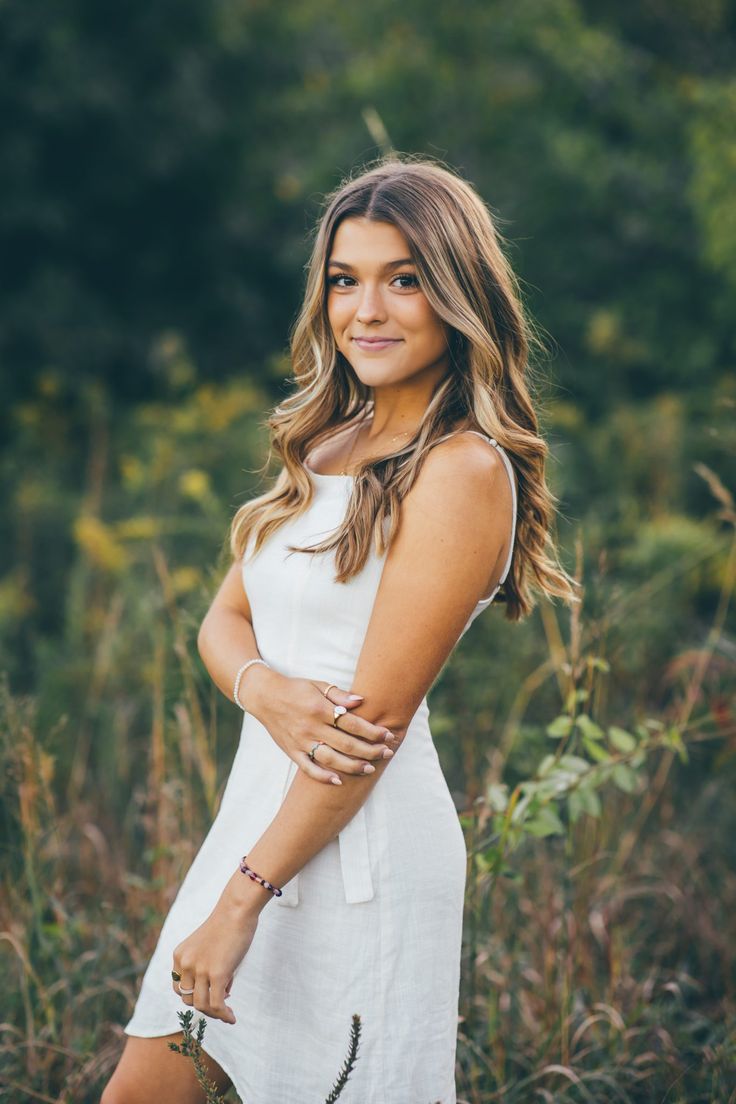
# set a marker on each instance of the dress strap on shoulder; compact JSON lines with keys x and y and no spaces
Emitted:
{"x":512,"y":478}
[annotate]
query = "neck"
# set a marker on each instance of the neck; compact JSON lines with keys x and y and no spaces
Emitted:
{"x":395,"y":414}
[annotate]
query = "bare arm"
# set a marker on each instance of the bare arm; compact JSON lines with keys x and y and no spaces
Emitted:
{"x":454,"y":533}
{"x":226,"y":639}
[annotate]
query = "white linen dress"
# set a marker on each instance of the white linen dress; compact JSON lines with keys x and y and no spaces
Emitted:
{"x":373,"y":923}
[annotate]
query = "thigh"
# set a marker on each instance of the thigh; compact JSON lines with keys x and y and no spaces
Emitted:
{"x":149,"y":1073}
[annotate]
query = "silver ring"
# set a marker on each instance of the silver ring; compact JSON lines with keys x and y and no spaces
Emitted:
{"x":337,"y":711}
{"x":186,"y":992}
{"x":311,"y":753}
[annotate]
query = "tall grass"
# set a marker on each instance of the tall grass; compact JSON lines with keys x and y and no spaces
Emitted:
{"x":598,"y":958}
{"x":597,"y":966}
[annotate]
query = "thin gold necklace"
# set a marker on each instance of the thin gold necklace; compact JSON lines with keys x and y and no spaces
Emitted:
{"x":355,"y":439}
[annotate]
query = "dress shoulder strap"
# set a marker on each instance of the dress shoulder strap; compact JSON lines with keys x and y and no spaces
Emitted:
{"x":512,"y":478}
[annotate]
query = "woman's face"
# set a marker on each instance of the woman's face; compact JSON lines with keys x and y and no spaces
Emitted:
{"x":373,"y":292}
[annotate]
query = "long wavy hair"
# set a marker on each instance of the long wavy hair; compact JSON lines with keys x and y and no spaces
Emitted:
{"x":469,"y":282}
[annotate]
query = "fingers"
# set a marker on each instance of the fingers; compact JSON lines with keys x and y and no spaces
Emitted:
{"x":351,"y":723}
{"x":348,"y":764}
{"x":181,"y":987}
{"x":217,"y":1006}
{"x":356,"y":736}
{"x":313,"y":769}
{"x":201,"y":999}
{"x":352,"y":746}
{"x":358,"y":747}
{"x":208,"y":996}
{"x":338,"y":696}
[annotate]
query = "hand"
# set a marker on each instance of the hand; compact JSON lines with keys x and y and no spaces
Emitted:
{"x":208,"y":958}
{"x":297,"y":715}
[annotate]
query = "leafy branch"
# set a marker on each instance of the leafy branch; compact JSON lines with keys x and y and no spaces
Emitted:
{"x":191,"y":1047}
{"x":569,"y":781}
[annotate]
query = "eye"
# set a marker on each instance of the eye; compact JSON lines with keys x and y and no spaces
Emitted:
{"x":334,"y":280}
{"x":408,"y":276}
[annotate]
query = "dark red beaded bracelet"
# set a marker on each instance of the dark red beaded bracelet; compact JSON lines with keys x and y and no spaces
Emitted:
{"x":245,"y":869}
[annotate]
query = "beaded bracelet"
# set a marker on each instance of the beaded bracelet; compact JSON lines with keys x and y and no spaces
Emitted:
{"x":245,"y":869}
{"x":239,"y":676}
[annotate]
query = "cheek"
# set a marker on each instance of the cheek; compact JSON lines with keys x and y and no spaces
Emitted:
{"x":337,"y":314}
{"x":428,"y":325}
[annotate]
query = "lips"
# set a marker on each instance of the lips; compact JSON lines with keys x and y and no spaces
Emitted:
{"x":375,"y":343}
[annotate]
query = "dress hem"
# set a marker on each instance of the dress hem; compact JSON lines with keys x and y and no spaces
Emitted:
{"x":156,"y":1033}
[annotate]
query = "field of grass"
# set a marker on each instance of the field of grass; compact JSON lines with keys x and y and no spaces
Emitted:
{"x":599,"y":936}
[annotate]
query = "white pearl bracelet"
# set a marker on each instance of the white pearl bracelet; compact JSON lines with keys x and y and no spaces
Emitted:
{"x":238,"y":677}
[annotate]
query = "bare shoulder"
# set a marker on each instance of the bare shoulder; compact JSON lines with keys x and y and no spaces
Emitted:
{"x":446,"y":555}
{"x":455,"y":520}
{"x":462,"y":475}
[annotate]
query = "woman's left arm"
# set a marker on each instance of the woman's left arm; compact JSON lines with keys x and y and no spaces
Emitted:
{"x":455,"y":526}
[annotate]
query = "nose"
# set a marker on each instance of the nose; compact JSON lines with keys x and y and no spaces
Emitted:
{"x":371,"y":307}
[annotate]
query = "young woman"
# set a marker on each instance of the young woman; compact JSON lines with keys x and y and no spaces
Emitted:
{"x":411,"y":490}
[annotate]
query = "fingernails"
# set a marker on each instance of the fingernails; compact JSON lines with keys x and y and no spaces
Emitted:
{"x":368,"y":768}
{"x":337,"y":781}
{"x":355,"y":697}
{"x":387,"y":753}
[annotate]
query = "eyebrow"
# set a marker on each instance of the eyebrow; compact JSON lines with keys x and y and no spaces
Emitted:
{"x":389,"y":264}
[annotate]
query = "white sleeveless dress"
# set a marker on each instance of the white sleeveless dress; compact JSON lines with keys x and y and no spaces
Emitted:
{"x":373,"y":923}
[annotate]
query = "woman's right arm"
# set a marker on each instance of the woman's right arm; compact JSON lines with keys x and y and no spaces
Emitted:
{"x":293,"y":710}
{"x":226,"y":640}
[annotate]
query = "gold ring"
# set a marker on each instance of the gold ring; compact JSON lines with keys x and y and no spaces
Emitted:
{"x":326,"y":692}
{"x":337,"y":711}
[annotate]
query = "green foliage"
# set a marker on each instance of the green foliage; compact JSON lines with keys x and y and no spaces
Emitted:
{"x":142,"y":199}
{"x":191,"y":1047}
{"x":713,"y":146}
{"x":154,"y":245}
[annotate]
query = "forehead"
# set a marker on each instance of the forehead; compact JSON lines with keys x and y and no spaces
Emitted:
{"x":365,"y":241}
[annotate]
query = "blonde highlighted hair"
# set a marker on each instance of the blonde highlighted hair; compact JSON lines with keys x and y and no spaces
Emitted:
{"x":468,"y":281}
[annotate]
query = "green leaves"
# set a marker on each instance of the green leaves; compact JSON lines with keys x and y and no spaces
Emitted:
{"x":546,"y":823}
{"x":560,"y":727}
{"x":621,"y":740}
{"x":673,"y":740}
{"x":570,"y":783}
{"x":584,"y":799}
{"x":593,"y":736}
{"x":624,"y":777}
{"x":588,"y":727}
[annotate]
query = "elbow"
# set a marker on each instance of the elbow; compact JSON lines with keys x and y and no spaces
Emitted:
{"x":397,"y":717}
{"x":397,"y":726}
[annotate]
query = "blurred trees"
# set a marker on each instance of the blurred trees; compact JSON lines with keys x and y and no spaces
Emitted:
{"x":163,"y":168}
{"x":164,"y":163}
